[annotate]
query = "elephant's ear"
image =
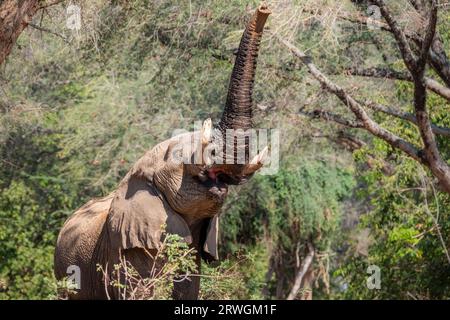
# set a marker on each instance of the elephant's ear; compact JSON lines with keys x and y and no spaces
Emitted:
{"x":138,"y":214}
{"x":211,"y":240}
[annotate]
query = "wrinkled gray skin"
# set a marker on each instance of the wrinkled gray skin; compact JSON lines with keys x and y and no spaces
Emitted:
{"x":159,"y":190}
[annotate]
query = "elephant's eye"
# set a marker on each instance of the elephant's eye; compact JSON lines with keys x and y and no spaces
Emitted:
{"x":202,"y":176}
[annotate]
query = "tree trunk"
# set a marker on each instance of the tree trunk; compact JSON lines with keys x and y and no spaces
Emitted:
{"x":307,"y":285}
{"x":304,"y":267}
{"x":15,"y":15}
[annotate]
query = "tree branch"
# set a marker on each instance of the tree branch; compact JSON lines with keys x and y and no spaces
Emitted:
{"x":430,"y":156}
{"x":354,"y":106}
{"x":328,"y":116}
{"x":306,"y":263}
{"x":405,"y":116}
{"x":431,"y":153}
{"x":438,"y":58}
{"x":364,"y":21}
{"x":48,"y":31}
{"x":46,"y":5}
{"x":15,"y":16}
{"x":387,"y":73}
{"x":429,"y":36}
{"x":431,"y":45}
{"x":352,"y":143}
{"x":399,"y":35}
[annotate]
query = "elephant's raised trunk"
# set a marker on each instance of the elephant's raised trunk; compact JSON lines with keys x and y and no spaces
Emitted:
{"x":238,"y":108}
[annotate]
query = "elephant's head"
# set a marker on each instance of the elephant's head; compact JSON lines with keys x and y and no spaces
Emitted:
{"x":198,"y":188}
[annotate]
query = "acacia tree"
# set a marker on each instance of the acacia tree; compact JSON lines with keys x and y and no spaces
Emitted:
{"x":15,"y":16}
{"x":419,"y":53}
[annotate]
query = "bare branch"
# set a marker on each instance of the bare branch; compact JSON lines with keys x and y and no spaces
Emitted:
{"x":429,"y":36}
{"x":431,"y":155}
{"x":387,"y":73}
{"x":416,"y":4}
{"x":48,"y":31}
{"x":437,"y":88}
{"x":378,"y":73}
{"x":405,"y":116}
{"x":431,"y":45}
{"x":50,"y":4}
{"x":352,"y":143}
{"x":364,"y":20}
{"x":328,"y":116}
{"x":439,"y":60}
{"x":353,"y":18}
{"x":354,"y":106}
{"x":349,"y":141}
{"x":402,"y":41}
{"x":306,"y":263}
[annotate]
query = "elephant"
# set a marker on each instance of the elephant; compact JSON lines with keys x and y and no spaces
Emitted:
{"x":160,"y":191}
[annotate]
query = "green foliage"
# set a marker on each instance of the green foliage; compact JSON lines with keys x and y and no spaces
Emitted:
{"x":286,"y":210}
{"x":294,"y":197}
{"x":408,"y":216}
{"x":241,"y":276}
{"x":407,"y":219}
{"x":33,"y":202}
{"x":173,"y":261}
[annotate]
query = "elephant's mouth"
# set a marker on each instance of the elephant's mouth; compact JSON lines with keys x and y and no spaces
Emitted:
{"x":217,"y":181}
{"x":212,"y":175}
{"x":214,"y":184}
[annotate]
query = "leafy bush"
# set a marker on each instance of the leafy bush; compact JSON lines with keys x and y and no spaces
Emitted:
{"x":283,"y":212}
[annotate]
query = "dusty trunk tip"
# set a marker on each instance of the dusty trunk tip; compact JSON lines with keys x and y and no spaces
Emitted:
{"x":262,"y":13}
